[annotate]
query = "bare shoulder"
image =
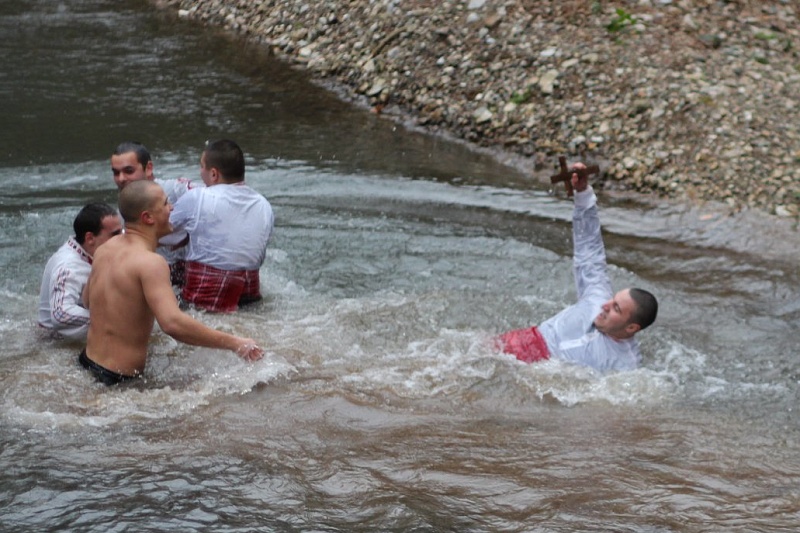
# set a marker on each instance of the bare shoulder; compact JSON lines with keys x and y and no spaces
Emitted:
{"x":150,"y":264}
{"x":132,"y":258}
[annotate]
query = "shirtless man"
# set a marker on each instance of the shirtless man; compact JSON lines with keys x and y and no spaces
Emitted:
{"x":129,"y":288}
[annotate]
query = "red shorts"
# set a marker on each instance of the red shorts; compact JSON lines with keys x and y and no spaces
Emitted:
{"x":525,"y":344}
{"x":219,"y":290}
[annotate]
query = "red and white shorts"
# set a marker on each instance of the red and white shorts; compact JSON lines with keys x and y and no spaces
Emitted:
{"x":525,"y":344}
{"x":217,"y":290}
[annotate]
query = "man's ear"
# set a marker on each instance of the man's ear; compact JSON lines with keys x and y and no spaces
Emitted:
{"x":89,"y":243}
{"x":146,"y":217}
{"x":215,"y":175}
{"x":148,"y":170}
{"x":632,"y":328}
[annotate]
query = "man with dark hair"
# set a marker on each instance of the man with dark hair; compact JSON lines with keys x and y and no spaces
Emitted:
{"x":598,"y":331}
{"x":129,"y":289}
{"x":229,"y":225}
{"x":131,"y":162}
{"x":60,"y":308}
{"x":226,"y":157}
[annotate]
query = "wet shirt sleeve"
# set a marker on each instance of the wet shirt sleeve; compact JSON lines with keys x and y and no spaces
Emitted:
{"x":69,"y":316}
{"x":591,"y":277}
{"x":184,"y":211}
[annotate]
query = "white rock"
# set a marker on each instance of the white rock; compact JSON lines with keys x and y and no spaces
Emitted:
{"x":369,"y":66}
{"x":376,"y":88}
{"x":547,"y":81}
{"x":657,"y":112}
{"x":482,"y":114}
{"x":580,"y":139}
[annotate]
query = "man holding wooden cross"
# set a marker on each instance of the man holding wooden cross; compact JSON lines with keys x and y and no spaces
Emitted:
{"x":597,"y":331}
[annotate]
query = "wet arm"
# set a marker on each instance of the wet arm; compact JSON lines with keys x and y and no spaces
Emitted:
{"x":66,"y":304}
{"x":590,"y":255}
{"x":182,"y":327}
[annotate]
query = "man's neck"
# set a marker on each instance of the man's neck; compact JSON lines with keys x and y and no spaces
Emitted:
{"x":137,"y":234}
{"x":618,"y":338}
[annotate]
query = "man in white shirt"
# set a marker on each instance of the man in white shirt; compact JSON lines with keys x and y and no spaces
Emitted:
{"x":598,"y":331}
{"x":61,"y":310}
{"x":229,"y":225}
{"x":131,"y":161}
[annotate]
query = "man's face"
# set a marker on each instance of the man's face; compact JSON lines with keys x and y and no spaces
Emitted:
{"x":110,"y":226}
{"x":126,"y":168}
{"x":160,"y":213}
{"x":615,"y":316}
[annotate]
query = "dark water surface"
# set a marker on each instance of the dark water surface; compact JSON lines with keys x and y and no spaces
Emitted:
{"x":381,"y":404}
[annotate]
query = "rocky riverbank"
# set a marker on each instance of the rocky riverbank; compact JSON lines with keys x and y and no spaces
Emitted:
{"x":688,"y":99}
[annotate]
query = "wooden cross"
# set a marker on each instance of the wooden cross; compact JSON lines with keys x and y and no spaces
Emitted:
{"x":566,"y":174}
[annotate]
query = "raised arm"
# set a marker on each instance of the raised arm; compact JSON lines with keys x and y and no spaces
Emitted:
{"x":589,"y":252}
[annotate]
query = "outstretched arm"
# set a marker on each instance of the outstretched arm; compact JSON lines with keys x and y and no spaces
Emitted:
{"x":182,"y":327}
{"x":589,"y":251}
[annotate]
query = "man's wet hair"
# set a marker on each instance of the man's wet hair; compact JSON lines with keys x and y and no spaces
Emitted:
{"x":90,"y":219}
{"x":226,"y":156}
{"x":142,"y":153}
{"x":646,"y":307}
{"x":136,"y":198}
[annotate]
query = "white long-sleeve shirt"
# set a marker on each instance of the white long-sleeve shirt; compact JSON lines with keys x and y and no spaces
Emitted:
{"x":570,"y":335}
{"x":60,"y":307}
{"x":229,"y":226}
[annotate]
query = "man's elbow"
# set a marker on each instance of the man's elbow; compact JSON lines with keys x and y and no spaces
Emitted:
{"x":173,"y":326}
{"x":170,"y":327}
{"x":63,"y":318}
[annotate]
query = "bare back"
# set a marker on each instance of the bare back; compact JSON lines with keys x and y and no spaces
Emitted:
{"x":126,"y":274}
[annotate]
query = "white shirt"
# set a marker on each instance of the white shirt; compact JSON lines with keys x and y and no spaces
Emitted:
{"x":60,"y":307}
{"x":570,"y":335}
{"x":229,"y":225}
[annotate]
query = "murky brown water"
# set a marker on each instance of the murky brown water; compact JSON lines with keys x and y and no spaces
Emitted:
{"x":380,"y":405}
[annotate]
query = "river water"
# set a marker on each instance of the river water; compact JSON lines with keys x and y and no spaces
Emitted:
{"x":380,"y":404}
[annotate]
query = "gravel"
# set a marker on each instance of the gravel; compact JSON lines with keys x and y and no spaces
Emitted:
{"x":690,"y":100}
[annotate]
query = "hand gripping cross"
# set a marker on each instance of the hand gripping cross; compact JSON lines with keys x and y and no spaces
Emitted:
{"x":566,"y":174}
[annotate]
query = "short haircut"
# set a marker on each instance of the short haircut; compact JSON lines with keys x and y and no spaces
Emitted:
{"x":646,"y":307}
{"x":136,"y":198}
{"x":142,"y":154}
{"x":90,"y":219}
{"x":227,"y":158}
